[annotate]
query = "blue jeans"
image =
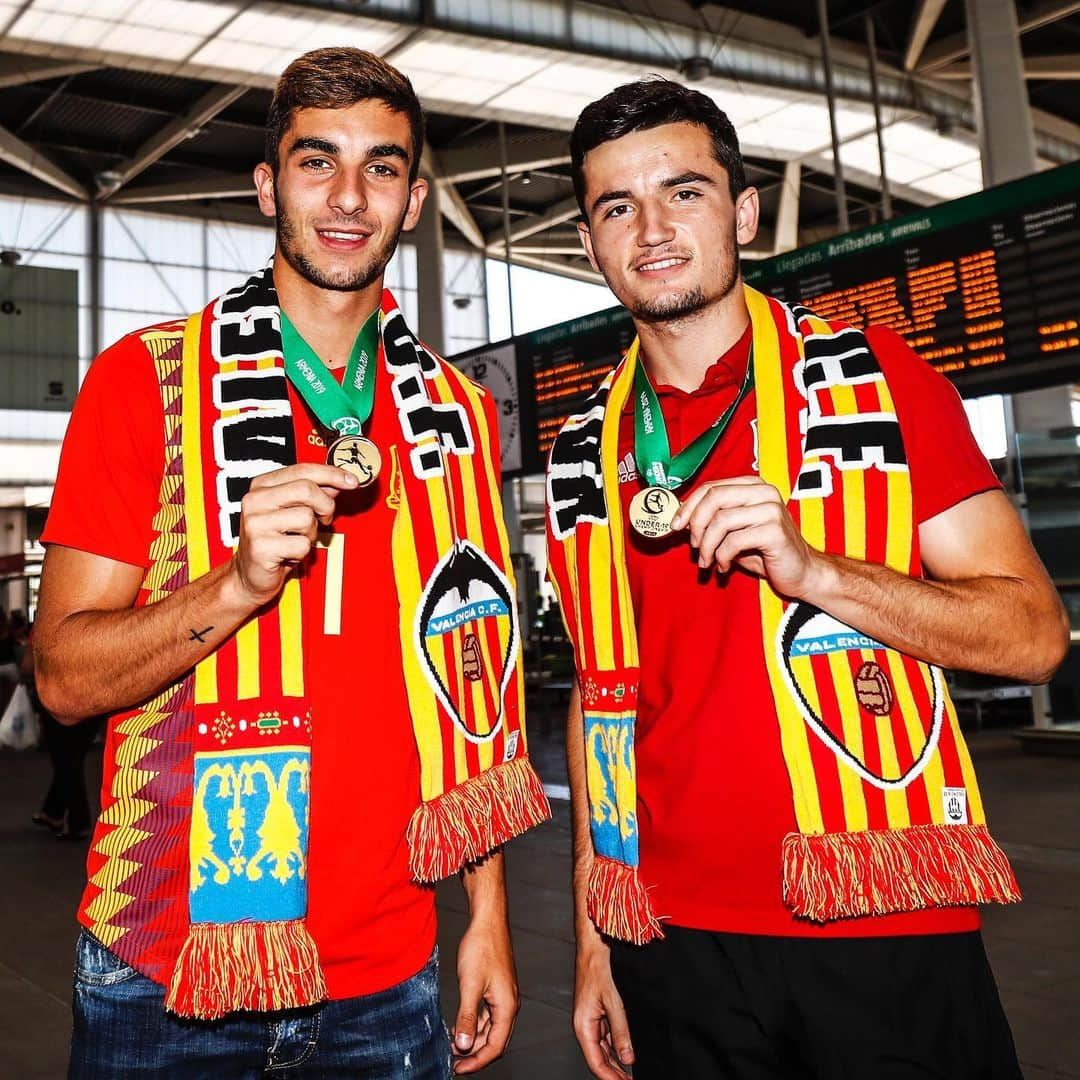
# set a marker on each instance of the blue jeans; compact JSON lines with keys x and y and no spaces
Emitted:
{"x":122,"y":1030}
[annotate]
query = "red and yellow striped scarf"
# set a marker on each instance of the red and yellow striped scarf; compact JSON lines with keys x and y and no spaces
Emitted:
{"x":242,"y":720}
{"x":887,"y":806}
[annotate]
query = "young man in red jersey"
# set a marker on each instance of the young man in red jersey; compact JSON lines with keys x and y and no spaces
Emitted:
{"x":779,"y":841}
{"x":275,"y":556}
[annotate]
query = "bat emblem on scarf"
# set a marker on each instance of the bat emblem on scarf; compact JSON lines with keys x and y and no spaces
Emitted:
{"x":467,"y":633}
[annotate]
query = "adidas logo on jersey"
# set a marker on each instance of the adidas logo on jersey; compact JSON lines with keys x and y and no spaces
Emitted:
{"x":627,"y":469}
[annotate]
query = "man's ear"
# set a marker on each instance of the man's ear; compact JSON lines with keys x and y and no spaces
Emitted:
{"x":418,"y":192}
{"x":264,"y":188}
{"x":585,"y":233}
{"x":747,"y":209}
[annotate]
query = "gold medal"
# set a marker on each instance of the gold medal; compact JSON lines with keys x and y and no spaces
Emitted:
{"x":357,"y":455}
{"x":652,"y":510}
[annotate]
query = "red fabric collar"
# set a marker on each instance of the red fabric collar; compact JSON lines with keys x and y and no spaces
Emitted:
{"x":729,"y":369}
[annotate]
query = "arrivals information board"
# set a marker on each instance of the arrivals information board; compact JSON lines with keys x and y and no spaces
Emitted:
{"x":984,"y":288}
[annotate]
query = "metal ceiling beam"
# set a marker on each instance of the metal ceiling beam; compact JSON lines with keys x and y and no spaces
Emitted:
{"x":938,"y":54}
{"x":15,"y":152}
{"x":453,"y":206}
{"x":1035,"y":67}
{"x":171,"y":135}
{"x":18,"y":70}
{"x":922,"y":26}
{"x":209,"y":187}
{"x":561,"y":212}
{"x":481,"y":159}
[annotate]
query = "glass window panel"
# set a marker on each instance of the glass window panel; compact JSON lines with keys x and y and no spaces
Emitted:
{"x":32,"y":425}
{"x":104,"y":9}
{"x":540,"y":299}
{"x":948,"y":185}
{"x":139,"y":286}
{"x":48,"y":26}
{"x":242,"y":248}
{"x":401,"y":270}
{"x":986,"y":415}
{"x":115,"y":323}
{"x":26,"y":224}
{"x":139,"y":235}
{"x":221,"y":281}
{"x":193,"y":16}
{"x":451,"y":54}
{"x":408,"y":301}
{"x":145,"y":41}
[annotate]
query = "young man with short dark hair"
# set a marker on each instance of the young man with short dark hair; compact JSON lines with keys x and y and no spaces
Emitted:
{"x":276,"y":557}
{"x":779,"y":840}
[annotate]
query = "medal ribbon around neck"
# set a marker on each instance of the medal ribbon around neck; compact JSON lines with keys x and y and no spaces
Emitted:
{"x":652,"y":451}
{"x":653,"y":509}
{"x":345,"y":408}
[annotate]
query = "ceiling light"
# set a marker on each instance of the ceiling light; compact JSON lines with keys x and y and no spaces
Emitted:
{"x":695,"y":68}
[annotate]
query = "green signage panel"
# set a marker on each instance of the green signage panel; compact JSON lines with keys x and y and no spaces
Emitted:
{"x":39,"y":338}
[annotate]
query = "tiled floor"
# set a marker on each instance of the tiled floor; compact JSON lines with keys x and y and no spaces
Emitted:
{"x":1035,"y":947}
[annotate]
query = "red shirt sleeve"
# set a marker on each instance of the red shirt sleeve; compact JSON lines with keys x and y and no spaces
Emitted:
{"x":946,"y":463}
{"x":108,"y":486}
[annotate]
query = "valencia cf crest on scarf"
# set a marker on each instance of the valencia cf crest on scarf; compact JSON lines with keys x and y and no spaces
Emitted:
{"x":842,"y":681}
{"x":467,"y":639}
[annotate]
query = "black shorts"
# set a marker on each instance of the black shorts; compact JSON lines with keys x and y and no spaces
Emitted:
{"x":705,"y":1005}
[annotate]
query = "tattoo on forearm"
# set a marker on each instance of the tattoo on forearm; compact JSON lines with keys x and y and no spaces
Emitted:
{"x":200,"y":635}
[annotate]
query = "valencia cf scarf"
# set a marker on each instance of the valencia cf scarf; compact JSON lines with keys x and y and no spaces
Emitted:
{"x":242,"y":717}
{"x":886,"y":802}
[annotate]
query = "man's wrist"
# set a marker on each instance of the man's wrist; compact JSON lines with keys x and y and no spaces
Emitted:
{"x":821,"y":581}
{"x":592,"y":947}
{"x":485,"y":888}
{"x":234,"y":596}
{"x":488,"y":910}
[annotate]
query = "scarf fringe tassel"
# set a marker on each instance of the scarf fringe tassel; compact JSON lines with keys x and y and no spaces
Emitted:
{"x":619,"y":904}
{"x":472,"y":819}
{"x":877,"y":872}
{"x":259,"y":967}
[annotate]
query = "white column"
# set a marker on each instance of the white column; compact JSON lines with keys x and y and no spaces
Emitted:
{"x":787,"y":211}
{"x":1007,"y":145}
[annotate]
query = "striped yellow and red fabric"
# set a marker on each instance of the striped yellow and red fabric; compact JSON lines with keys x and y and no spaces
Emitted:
{"x":587,"y":567}
{"x":885,"y":797}
{"x":463,"y":673}
{"x":886,"y":800}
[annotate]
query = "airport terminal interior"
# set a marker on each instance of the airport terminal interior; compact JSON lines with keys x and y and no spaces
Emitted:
{"x":918,"y":164}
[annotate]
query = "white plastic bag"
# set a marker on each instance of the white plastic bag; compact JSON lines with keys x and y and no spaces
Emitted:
{"x":20,"y":728}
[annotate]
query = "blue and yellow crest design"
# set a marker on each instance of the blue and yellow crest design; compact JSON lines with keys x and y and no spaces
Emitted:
{"x":249,"y":834}
{"x":609,"y":706}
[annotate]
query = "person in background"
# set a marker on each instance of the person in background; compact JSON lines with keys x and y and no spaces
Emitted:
{"x":66,"y":808}
{"x":20,"y":633}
